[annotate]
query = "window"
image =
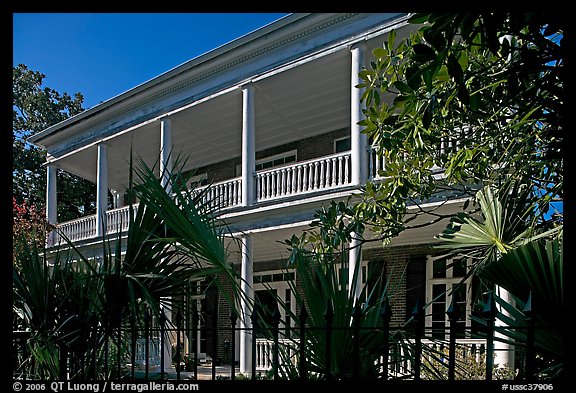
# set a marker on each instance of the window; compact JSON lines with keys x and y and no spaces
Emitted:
{"x":443,"y":283}
{"x":342,"y":144}
{"x":198,"y":181}
{"x":268,"y":286}
{"x":272,"y":161}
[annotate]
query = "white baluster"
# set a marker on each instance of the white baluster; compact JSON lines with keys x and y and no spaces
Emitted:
{"x":323,"y":164}
{"x":310,"y":176}
{"x":346,"y":169}
{"x":340,"y":171}
{"x":268,"y":185}
{"x":316,"y":174}
{"x":283,"y":181}
{"x":334,"y":171}
{"x":278,"y":183}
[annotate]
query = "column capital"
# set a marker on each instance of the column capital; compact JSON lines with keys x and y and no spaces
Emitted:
{"x":358,"y":45}
{"x":246,"y":85}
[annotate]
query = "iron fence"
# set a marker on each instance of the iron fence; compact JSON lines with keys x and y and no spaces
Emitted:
{"x":134,"y":350}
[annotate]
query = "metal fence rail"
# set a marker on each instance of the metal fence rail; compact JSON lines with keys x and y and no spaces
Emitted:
{"x":133,"y":348}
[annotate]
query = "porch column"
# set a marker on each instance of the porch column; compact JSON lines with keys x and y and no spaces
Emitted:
{"x":101,"y":190}
{"x":248,"y":145}
{"x":355,"y":262}
{"x":51,"y":201}
{"x":165,"y":152}
{"x":503,"y":352}
{"x":246,"y":303}
{"x":170,"y":335}
{"x":358,"y":141}
{"x":165,"y":171}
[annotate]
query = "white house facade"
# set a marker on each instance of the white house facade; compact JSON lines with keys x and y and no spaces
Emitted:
{"x":271,"y":121}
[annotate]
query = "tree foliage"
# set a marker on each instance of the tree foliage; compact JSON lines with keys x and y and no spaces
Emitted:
{"x":36,"y":107}
{"x":479,"y":95}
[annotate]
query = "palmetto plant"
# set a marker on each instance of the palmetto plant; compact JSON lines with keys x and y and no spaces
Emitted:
{"x":513,"y":251}
{"x":75,"y":302}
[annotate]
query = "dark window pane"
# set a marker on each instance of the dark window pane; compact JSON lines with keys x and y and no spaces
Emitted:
{"x":439,"y":269}
{"x":278,"y":277}
{"x":439,"y":292}
{"x":342,"y":145}
{"x":459,"y":268}
{"x":291,"y":158}
{"x":459,"y":291}
{"x":438,"y":311}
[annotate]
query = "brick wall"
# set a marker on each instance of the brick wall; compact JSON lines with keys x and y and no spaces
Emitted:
{"x":307,"y":149}
{"x":405,"y":274}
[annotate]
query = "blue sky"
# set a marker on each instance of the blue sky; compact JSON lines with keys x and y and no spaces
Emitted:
{"x":102,"y":55}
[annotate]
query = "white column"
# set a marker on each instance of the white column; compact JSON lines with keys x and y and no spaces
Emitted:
{"x":504,"y":352}
{"x":165,"y":151}
{"x":248,"y":145}
{"x":246,"y":302}
{"x":165,"y":171}
{"x":358,"y":141}
{"x":170,"y":335}
{"x":355,"y":262}
{"x":101,"y":189}
{"x":51,"y":200}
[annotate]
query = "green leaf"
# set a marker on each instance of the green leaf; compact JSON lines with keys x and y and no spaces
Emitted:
{"x":454,"y":68}
{"x":403,"y":87}
{"x":380,"y":53}
{"x":423,"y":53}
{"x":391,"y":39}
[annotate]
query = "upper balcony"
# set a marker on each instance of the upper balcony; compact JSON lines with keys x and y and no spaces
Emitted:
{"x":320,"y":175}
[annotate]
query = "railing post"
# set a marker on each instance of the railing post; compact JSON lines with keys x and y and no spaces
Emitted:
{"x":214,"y":339}
{"x":178,"y":352}
{"x":418,"y":314}
{"x":328,"y":317}
{"x":489,"y":315}
{"x":233,"y":320}
{"x":62,"y":360}
{"x":385,"y":314}
{"x":254,"y":319}
{"x":453,"y":313}
{"x":530,"y":369}
{"x":302,"y":358}
{"x":276,"y":349}
{"x":356,"y":319}
{"x":146,"y":343}
{"x":162,"y":321}
{"x":195,"y":318}
{"x":132,"y":344}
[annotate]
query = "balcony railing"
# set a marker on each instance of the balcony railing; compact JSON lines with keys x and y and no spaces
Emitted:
{"x":325,"y":173}
{"x":306,"y":176}
{"x":401,"y":364}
